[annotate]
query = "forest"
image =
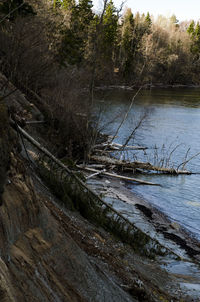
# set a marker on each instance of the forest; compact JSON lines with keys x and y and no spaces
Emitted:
{"x":115,"y":45}
{"x":57,"y":52}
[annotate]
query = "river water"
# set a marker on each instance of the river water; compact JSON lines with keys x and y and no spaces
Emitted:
{"x":171,"y":128}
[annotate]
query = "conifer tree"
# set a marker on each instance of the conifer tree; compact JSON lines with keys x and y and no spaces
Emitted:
{"x":127,"y":43}
{"x":109,"y":32}
{"x":76,"y":36}
{"x":82,"y":15}
{"x":110,"y":23}
{"x":148,"y":21}
{"x":68,"y":4}
{"x":196,"y":40}
{"x":191,"y":29}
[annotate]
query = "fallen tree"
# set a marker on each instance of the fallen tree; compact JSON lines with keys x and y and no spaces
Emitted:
{"x":116,"y":147}
{"x":104,"y":172}
{"x":133,"y":166}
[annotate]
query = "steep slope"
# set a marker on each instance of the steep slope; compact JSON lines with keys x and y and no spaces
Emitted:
{"x":39,"y":259}
{"x":49,"y":253}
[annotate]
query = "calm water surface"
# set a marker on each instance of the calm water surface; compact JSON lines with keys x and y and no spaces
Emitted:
{"x":173,"y":119}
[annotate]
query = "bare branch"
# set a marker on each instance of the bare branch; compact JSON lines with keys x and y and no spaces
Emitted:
{"x":120,"y":8}
{"x":134,"y":130}
{"x":126,"y":114}
{"x":12,"y":11}
{"x":187,"y":161}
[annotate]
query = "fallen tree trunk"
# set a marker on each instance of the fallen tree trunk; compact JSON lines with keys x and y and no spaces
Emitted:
{"x":117,"y":147}
{"x":143,"y":182}
{"x":130,"y":147}
{"x":136,"y":165}
{"x":94,"y":174}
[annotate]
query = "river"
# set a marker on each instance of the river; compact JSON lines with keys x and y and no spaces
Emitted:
{"x":172,"y":123}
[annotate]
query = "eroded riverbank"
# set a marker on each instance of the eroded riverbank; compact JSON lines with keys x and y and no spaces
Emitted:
{"x":185,"y":269}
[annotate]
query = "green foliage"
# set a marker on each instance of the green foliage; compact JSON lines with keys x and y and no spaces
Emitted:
{"x":128,"y":44}
{"x":74,"y":38}
{"x":197,"y":30}
{"x":191,"y":29}
{"x":110,"y":21}
{"x":148,"y":20}
{"x":66,"y":4}
{"x":72,"y":48}
{"x":194,"y":32}
{"x":132,"y":33}
{"x":119,"y":49}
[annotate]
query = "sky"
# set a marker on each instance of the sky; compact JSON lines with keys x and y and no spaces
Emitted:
{"x":183,"y":9}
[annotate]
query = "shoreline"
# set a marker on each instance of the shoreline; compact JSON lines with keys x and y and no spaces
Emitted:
{"x":147,"y":86}
{"x":147,"y":217}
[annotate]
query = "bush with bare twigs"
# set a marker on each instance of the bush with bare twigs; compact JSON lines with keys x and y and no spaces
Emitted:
{"x":68,"y":108}
{"x":24,"y":53}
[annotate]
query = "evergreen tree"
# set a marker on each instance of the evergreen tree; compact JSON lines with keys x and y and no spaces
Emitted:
{"x":109,"y":33}
{"x":196,"y":41}
{"x":127,"y":43}
{"x":82,"y":15}
{"x":194,"y":32}
{"x":75,"y":38}
{"x":147,"y":24}
{"x":191,"y":29}
{"x":68,"y":4}
{"x":110,"y":23}
{"x":197,"y":30}
{"x":148,"y":20}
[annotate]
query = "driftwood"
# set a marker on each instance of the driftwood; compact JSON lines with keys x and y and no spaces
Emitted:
{"x":96,"y":166}
{"x":125,"y":165}
{"x":34,"y":122}
{"x":129,"y":147}
{"x":116,"y":147}
{"x":95,"y":174}
{"x":143,"y":182}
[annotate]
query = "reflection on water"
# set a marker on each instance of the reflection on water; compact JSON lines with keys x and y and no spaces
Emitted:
{"x":173,"y":120}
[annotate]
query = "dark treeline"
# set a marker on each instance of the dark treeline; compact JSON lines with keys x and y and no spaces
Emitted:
{"x":129,"y":47}
{"x":116,"y":47}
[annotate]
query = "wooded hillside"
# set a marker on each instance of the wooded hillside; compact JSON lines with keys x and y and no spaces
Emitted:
{"x":115,"y":45}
